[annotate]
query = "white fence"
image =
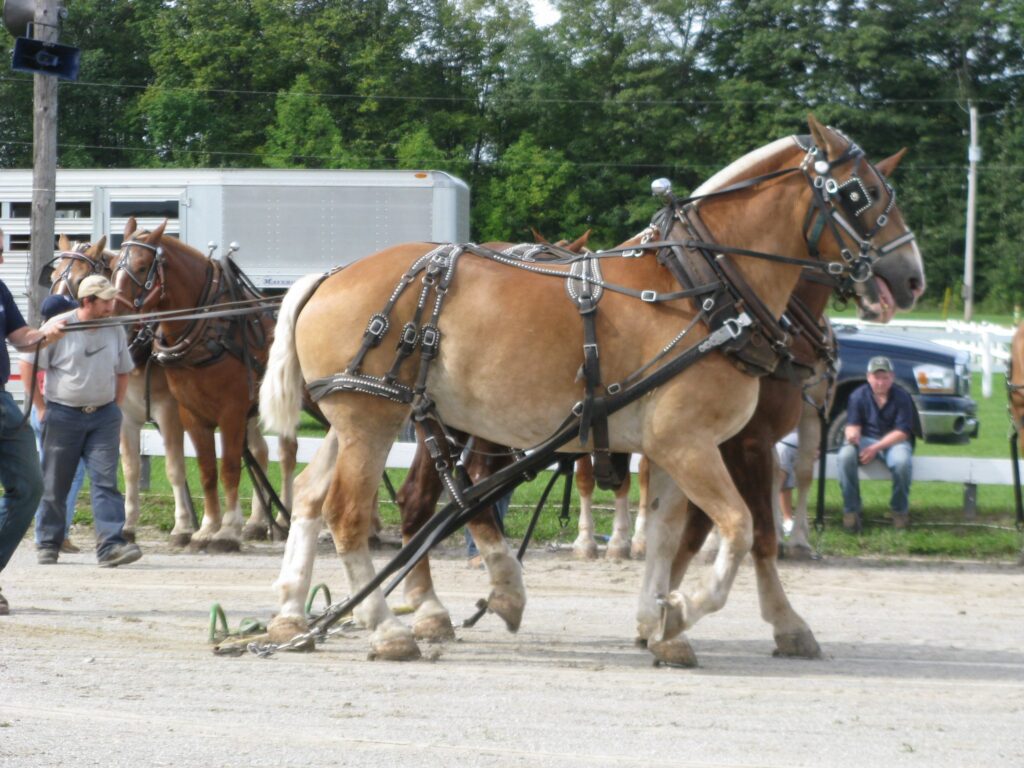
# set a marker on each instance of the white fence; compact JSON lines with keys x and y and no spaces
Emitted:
{"x":949,"y":469}
{"x":988,"y":344}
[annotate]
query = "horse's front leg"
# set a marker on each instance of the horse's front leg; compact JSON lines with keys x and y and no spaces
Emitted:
{"x":232,"y":437}
{"x":206,"y":455}
{"x":165,"y":410}
{"x":585,"y":548}
{"x":131,"y":445}
{"x":257,"y":529}
{"x":508,"y":593}
{"x":809,"y":435}
{"x":618,"y":544}
{"x":638,"y":549}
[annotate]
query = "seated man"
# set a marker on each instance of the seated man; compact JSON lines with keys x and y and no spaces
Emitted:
{"x":879,"y":425}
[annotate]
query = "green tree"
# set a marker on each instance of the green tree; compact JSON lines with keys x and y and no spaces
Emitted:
{"x":304,"y":134}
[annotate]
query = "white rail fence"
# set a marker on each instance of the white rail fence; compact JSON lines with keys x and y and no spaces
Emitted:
{"x":987,"y":344}
{"x":949,"y":469}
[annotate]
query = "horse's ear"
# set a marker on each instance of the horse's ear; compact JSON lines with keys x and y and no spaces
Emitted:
{"x":539,"y":238}
{"x":97,"y":248}
{"x":579,"y":243}
{"x":825,"y":139}
{"x":63,"y":244}
{"x":888,"y":166}
{"x":157,"y":233}
{"x":130,"y":227}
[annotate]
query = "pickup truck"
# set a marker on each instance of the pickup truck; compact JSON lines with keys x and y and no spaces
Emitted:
{"x":937,"y":378}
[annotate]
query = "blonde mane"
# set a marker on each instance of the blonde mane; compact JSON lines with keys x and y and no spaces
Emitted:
{"x":741,"y":169}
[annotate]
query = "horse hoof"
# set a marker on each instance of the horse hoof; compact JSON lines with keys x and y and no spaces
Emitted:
{"x":509,"y":607}
{"x":434,"y":629}
{"x":198,"y":545}
{"x":254,"y":533}
{"x":585,"y":551}
{"x":283,"y":628}
{"x":639,"y":550}
{"x":278,"y":534}
{"x":673,"y":653}
{"x":394,"y":644}
{"x":617,"y":552}
{"x":128,"y":536}
{"x":801,"y":645}
{"x":181,"y":540}
{"x":221,"y":546}
{"x":798,"y":552}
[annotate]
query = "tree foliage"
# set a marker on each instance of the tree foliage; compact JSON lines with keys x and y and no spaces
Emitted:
{"x":563,"y":127}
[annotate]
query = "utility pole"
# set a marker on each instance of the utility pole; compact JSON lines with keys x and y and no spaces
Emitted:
{"x":44,"y":156}
{"x":973,"y":158}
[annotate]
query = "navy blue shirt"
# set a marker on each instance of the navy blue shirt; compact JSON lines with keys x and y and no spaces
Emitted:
{"x":10,"y":320}
{"x":898,"y":413}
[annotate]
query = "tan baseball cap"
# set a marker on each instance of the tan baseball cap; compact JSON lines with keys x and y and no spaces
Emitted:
{"x":98,"y":286}
{"x":879,"y":364}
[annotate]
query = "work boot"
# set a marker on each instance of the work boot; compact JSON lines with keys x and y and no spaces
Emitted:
{"x":900,"y":520}
{"x":122,"y":554}
{"x":68,"y":548}
{"x":47,"y":556}
{"x":5,"y":608}
{"x":851,"y":522}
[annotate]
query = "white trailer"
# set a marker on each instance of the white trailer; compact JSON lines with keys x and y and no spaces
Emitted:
{"x":287,"y":223}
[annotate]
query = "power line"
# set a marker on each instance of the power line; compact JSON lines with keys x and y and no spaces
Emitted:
{"x":772,"y":102}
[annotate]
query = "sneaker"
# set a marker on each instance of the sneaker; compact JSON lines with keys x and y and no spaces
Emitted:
{"x":122,"y":554}
{"x":68,"y":548}
{"x":5,"y":608}
{"x":47,"y":556}
{"x":787,"y":526}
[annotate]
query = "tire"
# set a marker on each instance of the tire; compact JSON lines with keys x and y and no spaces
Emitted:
{"x":836,"y":429}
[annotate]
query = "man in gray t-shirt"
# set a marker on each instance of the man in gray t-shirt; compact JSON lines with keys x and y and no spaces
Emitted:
{"x":86,"y":379}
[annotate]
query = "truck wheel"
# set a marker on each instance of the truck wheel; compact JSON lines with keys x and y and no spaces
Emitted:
{"x":836,"y":429}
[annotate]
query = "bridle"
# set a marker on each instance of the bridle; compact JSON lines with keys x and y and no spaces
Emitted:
{"x":840,"y":207}
{"x":152,"y":285}
{"x":96,"y":267}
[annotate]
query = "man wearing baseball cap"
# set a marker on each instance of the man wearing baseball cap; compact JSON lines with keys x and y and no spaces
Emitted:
{"x":86,"y":378}
{"x":879,"y":425}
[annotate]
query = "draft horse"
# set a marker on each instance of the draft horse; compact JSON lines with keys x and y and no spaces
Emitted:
{"x":682,"y":325}
{"x":147,"y":394}
{"x":213,"y":367}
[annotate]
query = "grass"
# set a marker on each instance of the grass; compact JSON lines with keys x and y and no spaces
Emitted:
{"x":939,"y":525}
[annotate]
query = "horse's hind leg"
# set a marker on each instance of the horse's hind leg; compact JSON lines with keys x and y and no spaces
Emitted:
{"x":658,"y":625}
{"x":417,"y":500}
{"x":809,"y":435}
{"x":364,"y":433}
{"x":585,"y":548}
{"x":288,"y":450}
{"x":293,"y":583}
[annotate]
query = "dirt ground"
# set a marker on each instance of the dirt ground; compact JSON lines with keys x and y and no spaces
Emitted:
{"x":924,"y":666}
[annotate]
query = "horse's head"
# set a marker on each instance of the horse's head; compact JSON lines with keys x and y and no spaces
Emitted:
{"x":576,"y":246}
{"x":139,"y":273}
{"x":860,"y":213}
{"x":76,"y":261}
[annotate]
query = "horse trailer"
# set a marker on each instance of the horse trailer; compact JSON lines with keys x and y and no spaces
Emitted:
{"x":287,"y":223}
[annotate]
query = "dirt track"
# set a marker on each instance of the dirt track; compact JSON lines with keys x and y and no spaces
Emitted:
{"x":924,"y":666}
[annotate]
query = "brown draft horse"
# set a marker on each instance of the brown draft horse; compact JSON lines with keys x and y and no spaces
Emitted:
{"x":74,"y":263}
{"x":514,"y":384}
{"x":213,"y":373}
{"x":1015,"y":392}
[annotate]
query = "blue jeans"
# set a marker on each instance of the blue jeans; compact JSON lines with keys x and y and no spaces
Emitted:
{"x":898,"y":458}
{"x":500,"y":509}
{"x":20,"y":476}
{"x":70,"y":435}
{"x":76,"y":484}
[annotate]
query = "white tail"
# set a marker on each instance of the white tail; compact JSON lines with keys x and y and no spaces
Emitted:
{"x":281,"y":390}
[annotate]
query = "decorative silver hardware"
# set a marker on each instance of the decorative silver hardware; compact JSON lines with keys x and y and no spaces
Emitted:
{"x":649,"y":296}
{"x":821,"y":167}
{"x":661,"y":187}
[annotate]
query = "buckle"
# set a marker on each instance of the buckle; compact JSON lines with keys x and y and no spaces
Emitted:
{"x":649,"y":296}
{"x":87,"y":409}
